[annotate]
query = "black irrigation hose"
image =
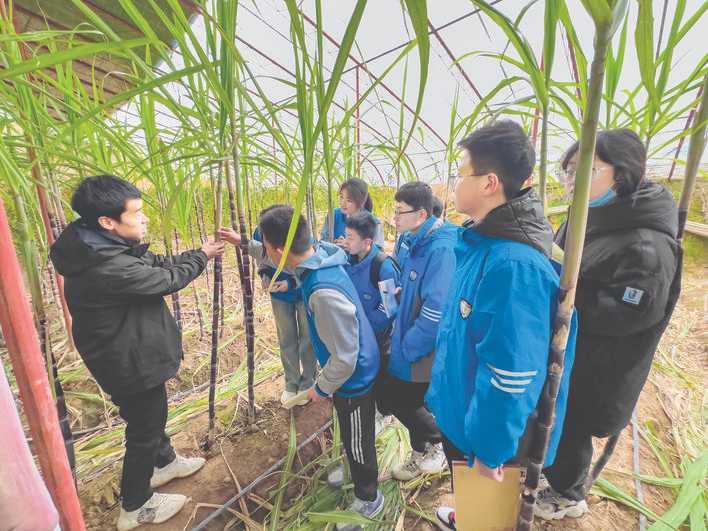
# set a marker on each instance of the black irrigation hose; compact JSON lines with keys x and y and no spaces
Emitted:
{"x":221,"y":510}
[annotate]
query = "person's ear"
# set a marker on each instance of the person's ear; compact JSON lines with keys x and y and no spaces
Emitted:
{"x":106,"y":223}
{"x":493,"y":184}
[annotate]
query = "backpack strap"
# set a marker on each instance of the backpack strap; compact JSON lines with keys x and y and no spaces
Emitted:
{"x":376,"y":263}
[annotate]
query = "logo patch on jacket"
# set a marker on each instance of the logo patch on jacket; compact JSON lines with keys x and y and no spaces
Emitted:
{"x":632,"y":295}
{"x":413,"y":275}
{"x":465,"y":308}
{"x":367,"y":296}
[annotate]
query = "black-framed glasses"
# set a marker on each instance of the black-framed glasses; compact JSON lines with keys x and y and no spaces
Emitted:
{"x":399,"y":213}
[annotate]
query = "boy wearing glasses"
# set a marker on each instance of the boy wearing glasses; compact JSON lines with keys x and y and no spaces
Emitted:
{"x":495,"y":333}
{"x":427,"y":259}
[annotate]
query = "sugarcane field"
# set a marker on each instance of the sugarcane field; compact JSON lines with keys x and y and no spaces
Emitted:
{"x":353,"y":265}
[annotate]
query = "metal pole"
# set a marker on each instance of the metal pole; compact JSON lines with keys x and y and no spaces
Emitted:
{"x":28,"y":366}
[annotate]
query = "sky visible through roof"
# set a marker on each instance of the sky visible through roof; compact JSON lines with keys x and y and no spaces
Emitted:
{"x":264,"y":25}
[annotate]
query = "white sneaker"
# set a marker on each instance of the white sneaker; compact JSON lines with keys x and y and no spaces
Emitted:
{"x":429,"y":462}
{"x":551,"y":505}
{"x":434,"y":459}
{"x":289,"y":395}
{"x":158,"y":509}
{"x":181,"y":467}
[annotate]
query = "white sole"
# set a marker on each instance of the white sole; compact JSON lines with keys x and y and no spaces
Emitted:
{"x":576,"y":511}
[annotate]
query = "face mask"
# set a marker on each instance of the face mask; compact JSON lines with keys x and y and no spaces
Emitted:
{"x":603,"y":199}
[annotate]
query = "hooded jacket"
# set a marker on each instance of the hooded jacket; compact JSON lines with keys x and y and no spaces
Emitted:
{"x":426,"y":273}
{"x":122,"y":327}
{"x":492,"y":349}
{"x":342,"y":338}
{"x":629,"y":282}
{"x":267,"y":269}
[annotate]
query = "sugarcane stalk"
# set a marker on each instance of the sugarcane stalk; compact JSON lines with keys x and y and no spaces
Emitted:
{"x":214,"y":318}
{"x":571,"y":268}
{"x":691,"y":114}
{"x":696,"y":147}
{"x":197,"y":301}
{"x":244,"y":270}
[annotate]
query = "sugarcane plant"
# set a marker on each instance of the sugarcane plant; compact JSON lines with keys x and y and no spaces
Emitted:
{"x":696,"y":147}
{"x":606,"y":16}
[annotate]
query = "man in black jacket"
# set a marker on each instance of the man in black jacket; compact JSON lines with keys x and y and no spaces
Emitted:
{"x":125,"y":333}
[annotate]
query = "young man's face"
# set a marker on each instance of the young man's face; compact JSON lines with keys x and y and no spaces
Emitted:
{"x":357,"y":245}
{"x":274,"y":253}
{"x":472,"y":189}
{"x":408,"y":218}
{"x":132,"y":224}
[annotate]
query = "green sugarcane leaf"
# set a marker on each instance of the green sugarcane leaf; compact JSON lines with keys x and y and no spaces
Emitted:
{"x":690,"y":491}
{"x":77,"y":52}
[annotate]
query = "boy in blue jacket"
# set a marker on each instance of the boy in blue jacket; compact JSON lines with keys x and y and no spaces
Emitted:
{"x":494,"y":338}
{"x":427,"y":269}
{"x":344,"y":344}
{"x":368,"y":265}
{"x":296,"y":354}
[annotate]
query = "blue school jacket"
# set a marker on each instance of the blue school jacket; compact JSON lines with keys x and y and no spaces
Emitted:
{"x":494,"y":337}
{"x":325,"y":270}
{"x":360,"y":274}
{"x":426,"y":273}
{"x":294,"y":293}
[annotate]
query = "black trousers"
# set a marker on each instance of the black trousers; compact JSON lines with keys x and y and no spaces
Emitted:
{"x":571,"y":466}
{"x":356,"y":424}
{"x":406,"y":401}
{"x":452,"y":453}
{"x":146,"y":443}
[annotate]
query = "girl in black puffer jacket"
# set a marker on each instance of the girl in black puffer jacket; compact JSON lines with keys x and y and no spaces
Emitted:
{"x":630,"y":279}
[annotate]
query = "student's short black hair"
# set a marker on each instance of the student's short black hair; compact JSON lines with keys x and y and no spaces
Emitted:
{"x":418,"y":195}
{"x":624,"y":151}
{"x":504,"y":149}
{"x":363,"y":223}
{"x":102,"y":195}
{"x":437,"y":207}
{"x":274,"y":223}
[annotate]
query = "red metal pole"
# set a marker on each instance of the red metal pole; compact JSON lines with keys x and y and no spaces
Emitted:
{"x":383,"y":85}
{"x":576,"y":76}
{"x":30,"y":373}
{"x":25,"y":504}
{"x":434,"y":31}
{"x":536,"y":117}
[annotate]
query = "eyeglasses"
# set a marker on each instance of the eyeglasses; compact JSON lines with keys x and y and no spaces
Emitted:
{"x":567,"y":175}
{"x":398,"y":213}
{"x":453,"y":178}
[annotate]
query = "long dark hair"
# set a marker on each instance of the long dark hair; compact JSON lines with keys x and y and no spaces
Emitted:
{"x":358,"y":191}
{"x":623,"y":149}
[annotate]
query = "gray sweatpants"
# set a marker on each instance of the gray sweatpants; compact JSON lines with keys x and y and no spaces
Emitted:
{"x":296,"y":354}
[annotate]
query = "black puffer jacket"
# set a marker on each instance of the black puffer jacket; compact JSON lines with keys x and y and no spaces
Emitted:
{"x":630,"y":279}
{"x":122,"y":327}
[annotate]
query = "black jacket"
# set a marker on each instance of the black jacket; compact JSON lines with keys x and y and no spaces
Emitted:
{"x":630,"y":279}
{"x":122,"y":327}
